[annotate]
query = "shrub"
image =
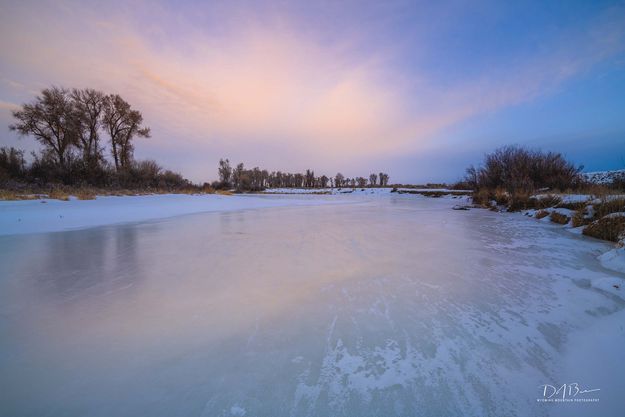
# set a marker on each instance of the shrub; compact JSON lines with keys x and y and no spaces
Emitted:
{"x":482,"y":197}
{"x":501,"y":196}
{"x":461,"y":185}
{"x":12,"y":164}
{"x":607,"y":228}
{"x":619,"y":183}
{"x":521,"y":201}
{"x":559,"y":218}
{"x":515,"y":168}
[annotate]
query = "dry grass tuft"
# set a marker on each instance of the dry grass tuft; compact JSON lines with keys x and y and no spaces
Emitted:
{"x":572,"y":205}
{"x":608,"y":206}
{"x":607,"y":228}
{"x":559,"y":218}
{"x":85,"y":194}
{"x":10,"y":195}
{"x":542,"y":214}
{"x":579,"y":218}
{"x":223,"y":192}
{"x":58,"y":194}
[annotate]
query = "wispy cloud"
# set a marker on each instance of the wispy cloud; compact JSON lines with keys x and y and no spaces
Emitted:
{"x":254,"y":83}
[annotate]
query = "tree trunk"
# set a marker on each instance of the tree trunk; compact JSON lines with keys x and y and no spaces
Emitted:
{"x":115,"y":156}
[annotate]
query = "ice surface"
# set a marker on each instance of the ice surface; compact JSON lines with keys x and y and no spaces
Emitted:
{"x":371,"y":306}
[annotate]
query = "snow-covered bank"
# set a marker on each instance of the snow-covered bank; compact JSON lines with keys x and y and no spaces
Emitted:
{"x":591,"y":215}
{"x":40,"y":216}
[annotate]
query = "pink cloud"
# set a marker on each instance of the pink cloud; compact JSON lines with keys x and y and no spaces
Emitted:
{"x":255,"y":84}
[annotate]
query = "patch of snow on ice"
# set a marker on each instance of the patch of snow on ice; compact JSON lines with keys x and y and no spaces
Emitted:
{"x":614,"y":260}
{"x":237,"y":410}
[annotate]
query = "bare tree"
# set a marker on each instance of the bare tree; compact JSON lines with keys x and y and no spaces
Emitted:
{"x":225,"y":172}
{"x":338,"y":180}
{"x":88,"y":107}
{"x":373,"y":180}
{"x":12,"y":163}
{"x":122,"y":124}
{"x":237,"y":176}
{"x":51,"y":120}
{"x":309,"y":180}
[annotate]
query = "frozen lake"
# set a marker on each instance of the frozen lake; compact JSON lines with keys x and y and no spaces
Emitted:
{"x":378,"y":306}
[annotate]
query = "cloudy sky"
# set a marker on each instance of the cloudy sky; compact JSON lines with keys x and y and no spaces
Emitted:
{"x":416,"y":89}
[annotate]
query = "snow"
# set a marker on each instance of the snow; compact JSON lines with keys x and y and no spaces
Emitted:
{"x":614,"y":260}
{"x":40,"y":216}
{"x":604,"y":177}
{"x":575,"y":198}
{"x":567,"y":198}
{"x":614,"y":215}
{"x":313,"y":305}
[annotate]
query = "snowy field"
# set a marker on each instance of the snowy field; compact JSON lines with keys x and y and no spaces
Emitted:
{"x":342,"y":305}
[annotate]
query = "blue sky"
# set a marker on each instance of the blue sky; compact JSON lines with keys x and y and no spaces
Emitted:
{"x":416,"y":89}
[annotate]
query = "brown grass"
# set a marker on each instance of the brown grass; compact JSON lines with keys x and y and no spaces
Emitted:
{"x":607,"y":206}
{"x":481,"y":197}
{"x":11,"y":195}
{"x":607,"y":228}
{"x":572,"y":206}
{"x":85,"y":194}
{"x":579,"y":218}
{"x":541,"y":214}
{"x":559,"y":218}
{"x":523,"y":201}
{"x":224,"y":192}
{"x":501,"y":196}
{"x":58,"y":194}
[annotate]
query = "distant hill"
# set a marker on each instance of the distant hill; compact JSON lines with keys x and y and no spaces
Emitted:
{"x":605,"y":177}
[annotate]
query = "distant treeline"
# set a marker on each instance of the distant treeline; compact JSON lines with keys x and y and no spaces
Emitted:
{"x":256,"y":179}
{"x":87,"y":138}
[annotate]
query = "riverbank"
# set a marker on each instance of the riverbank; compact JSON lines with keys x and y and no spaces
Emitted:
{"x":49,"y":215}
{"x":596,"y":217}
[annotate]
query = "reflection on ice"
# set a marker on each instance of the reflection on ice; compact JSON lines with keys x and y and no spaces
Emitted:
{"x":383,"y":306}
